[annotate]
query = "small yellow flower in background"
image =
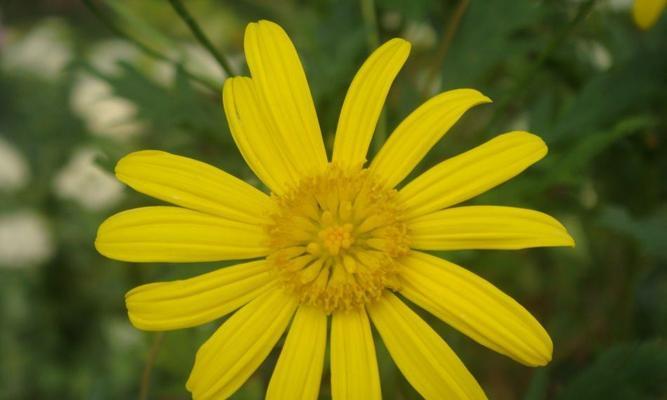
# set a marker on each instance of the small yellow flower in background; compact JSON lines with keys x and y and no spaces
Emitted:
{"x":647,"y":12}
{"x":334,"y":238}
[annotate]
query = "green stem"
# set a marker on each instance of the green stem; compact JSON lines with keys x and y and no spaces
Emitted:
{"x":373,"y":40}
{"x":201,"y":36}
{"x":524,"y":82}
{"x":445,"y":44}
{"x":370,"y":20}
{"x":109,"y":23}
{"x":150,"y":362}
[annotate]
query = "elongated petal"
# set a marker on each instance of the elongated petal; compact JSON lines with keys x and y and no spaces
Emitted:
{"x":354,"y":370}
{"x":264,"y":151}
{"x":420,"y":131}
{"x":174,"y":234}
{"x":471,"y":173}
{"x":192,"y":184}
{"x":299,"y":369}
{"x":239,"y":346}
{"x":284,"y":94}
{"x":476,"y":308}
{"x":486,"y":227}
{"x":423,"y":357}
{"x":364,"y":100}
{"x":181,"y":304}
{"x":647,"y":12}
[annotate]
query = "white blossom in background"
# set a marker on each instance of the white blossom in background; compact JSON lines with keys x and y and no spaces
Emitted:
{"x":618,"y":5}
{"x":600,"y":56}
{"x":43,"y":51}
{"x":121,"y":335}
{"x":106,"y":55}
{"x":200,"y":62}
{"x":85,"y":183}
{"x":520,"y":123}
{"x":196,"y":60}
{"x":420,"y":34}
{"x":103,"y":113}
{"x":14,"y":171}
{"x":25,"y":239}
{"x":596,"y":52}
{"x":391,"y":20}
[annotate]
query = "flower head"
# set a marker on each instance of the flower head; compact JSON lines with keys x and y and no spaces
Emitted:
{"x":335,"y":239}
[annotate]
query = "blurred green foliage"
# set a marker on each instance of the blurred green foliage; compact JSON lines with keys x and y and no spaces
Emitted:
{"x":599,"y":99}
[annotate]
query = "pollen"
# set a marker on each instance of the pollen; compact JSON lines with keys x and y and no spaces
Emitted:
{"x":336,"y":239}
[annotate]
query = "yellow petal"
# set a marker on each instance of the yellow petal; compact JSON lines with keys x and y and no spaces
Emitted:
{"x":354,"y":370}
{"x":486,"y":227}
{"x":471,"y":173}
{"x":195,"y":301}
{"x":264,"y":152}
{"x":174,"y":234}
{"x":420,"y":131}
{"x":192,"y":184}
{"x":299,"y":369}
{"x":647,"y":12}
{"x":475,"y":307}
{"x":423,"y":357}
{"x":239,"y":346}
{"x":284,"y":95}
{"x":364,"y":100}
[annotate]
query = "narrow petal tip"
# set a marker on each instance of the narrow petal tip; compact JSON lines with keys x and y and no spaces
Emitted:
{"x":404,"y":45}
{"x":527,"y":138}
{"x":122,"y":164}
{"x":545,"y":356}
{"x":477,"y":96}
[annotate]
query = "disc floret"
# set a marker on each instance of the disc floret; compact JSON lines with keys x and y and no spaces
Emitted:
{"x":337,"y":239}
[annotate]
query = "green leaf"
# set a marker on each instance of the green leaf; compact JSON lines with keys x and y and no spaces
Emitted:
{"x":628,"y":371}
{"x":628,"y":88}
{"x":488,"y":36}
{"x":650,"y":232}
{"x":137,"y":26}
{"x":567,"y":166}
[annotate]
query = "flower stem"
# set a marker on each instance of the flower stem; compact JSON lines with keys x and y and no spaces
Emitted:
{"x":373,"y":40}
{"x":150,"y":361}
{"x":106,"y":20}
{"x":201,"y":36}
{"x":445,"y":43}
{"x":370,"y":19}
{"x":523,"y":83}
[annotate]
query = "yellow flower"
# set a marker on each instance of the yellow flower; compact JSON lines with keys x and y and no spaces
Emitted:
{"x":647,"y":12}
{"x":334,"y":238}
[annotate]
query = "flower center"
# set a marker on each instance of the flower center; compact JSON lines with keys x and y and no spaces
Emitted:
{"x":336,"y":239}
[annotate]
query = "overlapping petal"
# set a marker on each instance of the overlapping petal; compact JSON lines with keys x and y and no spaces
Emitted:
{"x":486,"y":227}
{"x":239,"y":346}
{"x":420,"y":131}
{"x":263,"y":150}
{"x":195,"y":301}
{"x":192,"y":184}
{"x":471,"y":173}
{"x":364,"y":100}
{"x":423,"y":357}
{"x":299,"y":369}
{"x":354,"y":370}
{"x":174,"y":234}
{"x":475,"y":307}
{"x":283,"y":94}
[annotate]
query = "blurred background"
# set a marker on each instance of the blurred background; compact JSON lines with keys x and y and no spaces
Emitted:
{"x":79,"y":90}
